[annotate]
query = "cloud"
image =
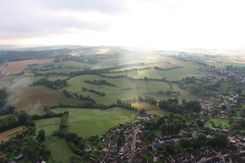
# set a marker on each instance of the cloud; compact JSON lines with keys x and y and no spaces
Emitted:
{"x":165,"y":24}
{"x":105,"y":6}
{"x":27,"y":18}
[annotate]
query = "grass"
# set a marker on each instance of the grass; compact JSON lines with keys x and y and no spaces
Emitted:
{"x":60,"y":151}
{"x":84,"y":122}
{"x":126,"y":89}
{"x":220,"y":122}
{"x":5,"y":116}
{"x":33,"y":99}
{"x":49,"y":125}
{"x":157,"y":133}
{"x":90,"y":122}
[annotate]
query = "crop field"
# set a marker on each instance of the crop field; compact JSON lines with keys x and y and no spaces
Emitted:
{"x":6,"y":135}
{"x":90,"y":122}
{"x":19,"y":66}
{"x":33,"y":99}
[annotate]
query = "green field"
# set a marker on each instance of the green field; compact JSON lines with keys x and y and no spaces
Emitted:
{"x":89,"y":122}
{"x":85,"y":123}
{"x":33,"y":99}
{"x":5,"y":116}
{"x":171,"y":74}
{"x":49,"y":125}
{"x":125,"y":89}
{"x":220,"y":122}
{"x":60,"y":151}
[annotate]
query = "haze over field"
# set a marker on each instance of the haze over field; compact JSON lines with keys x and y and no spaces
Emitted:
{"x":162,"y":24}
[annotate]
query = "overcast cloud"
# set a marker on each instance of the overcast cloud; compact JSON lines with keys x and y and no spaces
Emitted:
{"x":142,"y":23}
{"x":26,"y":18}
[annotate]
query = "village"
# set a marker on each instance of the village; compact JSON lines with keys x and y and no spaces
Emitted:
{"x":136,"y":147}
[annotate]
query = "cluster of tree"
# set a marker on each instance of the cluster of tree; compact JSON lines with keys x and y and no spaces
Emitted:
{"x":219,"y":140}
{"x":164,"y":122}
{"x":16,"y":120}
{"x":169,"y":93}
{"x":97,"y":92}
{"x":74,"y":95}
{"x":63,"y":128}
{"x":9,"y":122}
{"x":166,"y":69}
{"x":206,"y":89}
{"x":57,"y":84}
{"x":30,"y":148}
{"x":123,"y":104}
{"x":4,"y":107}
{"x":189,"y":145}
{"x":235,"y":68}
{"x":74,"y":73}
{"x":49,"y":115}
{"x":99,"y":82}
{"x":3,"y":98}
{"x":94,"y":91}
{"x":170,"y":127}
{"x":41,"y":136}
{"x":173,"y":105}
{"x":189,"y":80}
{"x":147,"y":99}
{"x":8,"y":109}
{"x":76,"y":143}
{"x":23,"y":55}
{"x":239,"y":124}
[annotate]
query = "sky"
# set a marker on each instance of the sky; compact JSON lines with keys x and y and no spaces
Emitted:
{"x":161,"y":24}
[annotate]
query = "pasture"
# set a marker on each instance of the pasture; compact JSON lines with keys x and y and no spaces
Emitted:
{"x":33,"y":99}
{"x":49,"y":125}
{"x":124,"y":89}
{"x":90,"y":122}
{"x":59,"y":149}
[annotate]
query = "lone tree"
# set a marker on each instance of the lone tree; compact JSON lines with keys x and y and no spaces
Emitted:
{"x":41,"y":136}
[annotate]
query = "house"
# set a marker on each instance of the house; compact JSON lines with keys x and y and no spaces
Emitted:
{"x":162,"y":144}
{"x":18,"y":158}
{"x":87,"y":148}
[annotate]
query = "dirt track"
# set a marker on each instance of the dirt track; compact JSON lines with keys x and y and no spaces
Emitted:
{"x":5,"y":135}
